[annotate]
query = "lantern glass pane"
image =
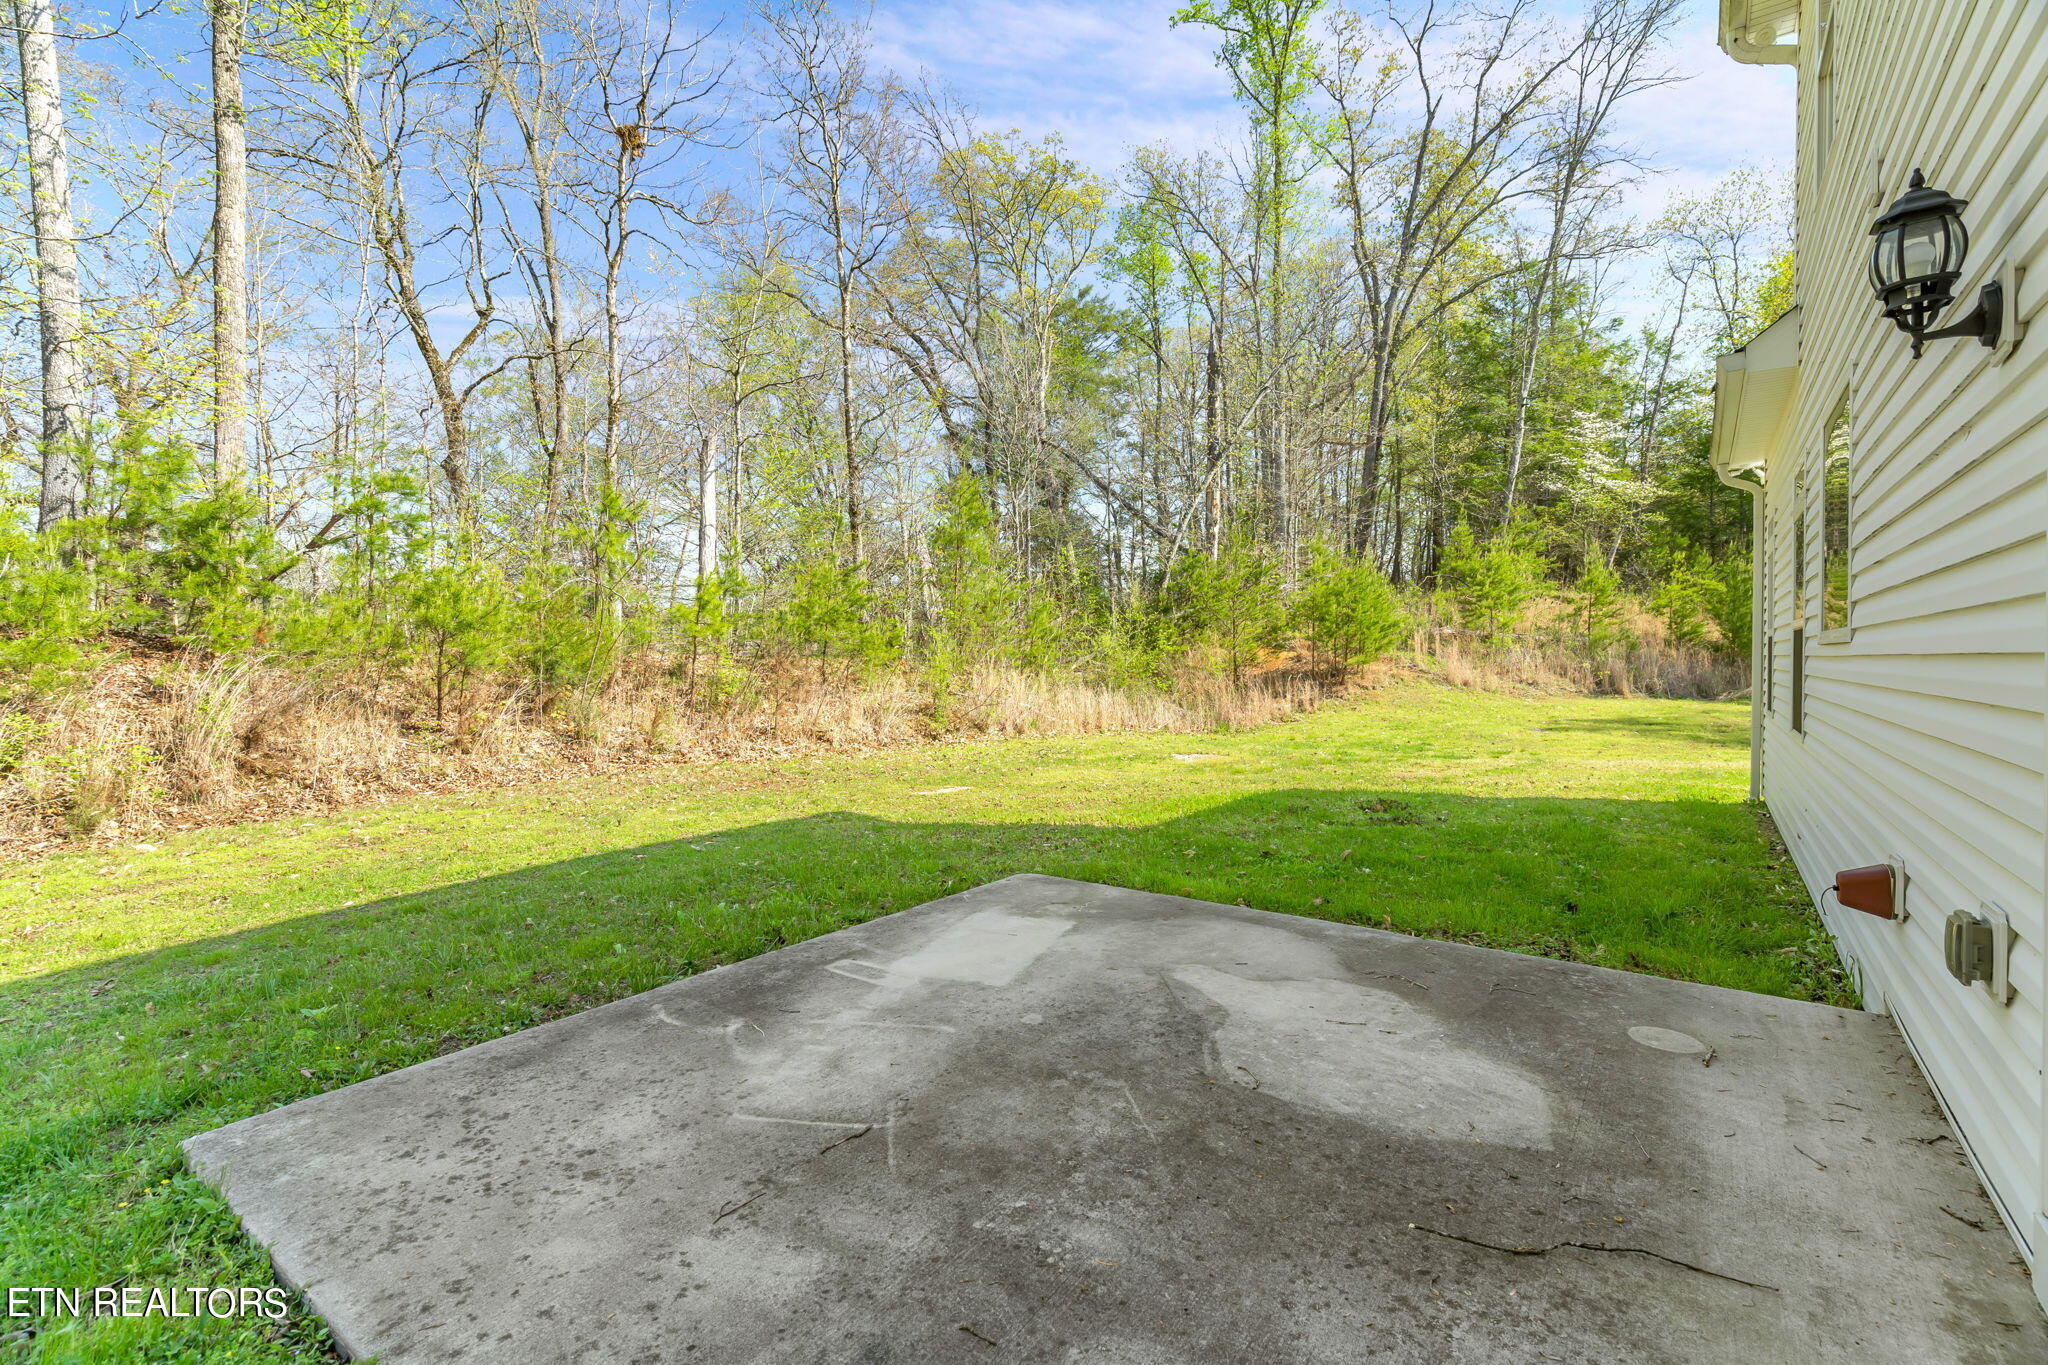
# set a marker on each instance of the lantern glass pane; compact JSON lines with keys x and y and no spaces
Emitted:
{"x":1884,"y":254}
{"x":1922,"y":250}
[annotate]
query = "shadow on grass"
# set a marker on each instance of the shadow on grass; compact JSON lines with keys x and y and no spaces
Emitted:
{"x":1731,"y":728}
{"x":110,"y":1065}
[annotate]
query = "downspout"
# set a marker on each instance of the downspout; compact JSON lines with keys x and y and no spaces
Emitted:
{"x":1758,"y":640}
{"x":1760,"y":54}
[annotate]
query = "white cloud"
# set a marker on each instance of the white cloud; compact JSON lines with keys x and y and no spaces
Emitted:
{"x":1106,"y":77}
{"x":1114,"y":76}
{"x":1722,"y":115}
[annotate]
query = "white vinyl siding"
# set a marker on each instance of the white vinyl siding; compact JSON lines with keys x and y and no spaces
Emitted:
{"x":1924,"y":737}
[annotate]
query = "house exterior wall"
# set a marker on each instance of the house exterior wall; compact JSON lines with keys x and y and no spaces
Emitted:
{"x":1922,"y":738}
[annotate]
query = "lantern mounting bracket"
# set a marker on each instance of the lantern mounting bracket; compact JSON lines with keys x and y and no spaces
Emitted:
{"x":1985,"y":322}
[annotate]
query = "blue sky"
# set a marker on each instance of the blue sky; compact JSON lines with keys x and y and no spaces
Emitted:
{"x":1110,"y":77}
{"x":1114,"y":76}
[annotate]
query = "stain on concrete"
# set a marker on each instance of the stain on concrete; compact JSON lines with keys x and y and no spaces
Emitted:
{"x":1297,"y":1041}
{"x":989,"y":947}
{"x":1665,"y":1039}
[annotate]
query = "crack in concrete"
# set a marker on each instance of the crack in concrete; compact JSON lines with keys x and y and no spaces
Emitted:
{"x":1594,"y":1246}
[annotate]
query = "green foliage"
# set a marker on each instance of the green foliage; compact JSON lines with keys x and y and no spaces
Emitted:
{"x":1681,"y":601}
{"x":47,"y":615}
{"x":1042,"y":642}
{"x":1230,"y":605}
{"x":706,"y":623}
{"x":1599,"y":612}
{"x":1347,"y":611}
{"x":463,"y":623}
{"x":1725,"y":594}
{"x":20,"y":735}
{"x":564,"y":646}
{"x":1491,"y":585}
{"x":975,"y":622}
{"x":706,"y":619}
{"x":826,"y":615}
{"x":1134,"y":647}
{"x":173,"y":557}
{"x":1702,"y":602}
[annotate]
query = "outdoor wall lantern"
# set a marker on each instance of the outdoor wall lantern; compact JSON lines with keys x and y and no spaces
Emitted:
{"x":1916,"y":261}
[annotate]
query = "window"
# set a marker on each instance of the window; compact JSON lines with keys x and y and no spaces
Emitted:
{"x":1768,"y":626}
{"x":1834,"y":529}
{"x":1799,"y":554}
{"x":1799,"y":594}
{"x":1799,"y":681}
{"x":1824,"y":94}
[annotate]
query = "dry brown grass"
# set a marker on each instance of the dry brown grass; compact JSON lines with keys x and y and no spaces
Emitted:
{"x":1650,"y":667}
{"x":163,"y":741}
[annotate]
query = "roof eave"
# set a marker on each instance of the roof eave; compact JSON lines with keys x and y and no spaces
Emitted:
{"x":1754,"y":392}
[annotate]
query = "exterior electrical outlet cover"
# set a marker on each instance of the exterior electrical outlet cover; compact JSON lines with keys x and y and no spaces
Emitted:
{"x":1967,"y":946}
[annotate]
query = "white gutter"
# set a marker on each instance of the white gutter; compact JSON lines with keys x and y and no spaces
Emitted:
{"x":1755,"y":390}
{"x":1758,"y":637}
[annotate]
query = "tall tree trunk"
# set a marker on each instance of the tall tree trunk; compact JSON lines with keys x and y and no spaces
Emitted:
{"x":1212,"y":384}
{"x":558,"y":374}
{"x":707,"y":509}
{"x":1378,"y":406}
{"x":1525,"y":374}
{"x":614,"y":356}
{"x":846,"y":433}
{"x":230,"y":248}
{"x":62,"y":326}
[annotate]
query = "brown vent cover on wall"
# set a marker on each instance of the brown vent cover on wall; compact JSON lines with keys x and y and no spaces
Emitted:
{"x":1868,"y":889}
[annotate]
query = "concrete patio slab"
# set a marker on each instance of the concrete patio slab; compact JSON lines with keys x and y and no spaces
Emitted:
{"x":1050,"y":1121}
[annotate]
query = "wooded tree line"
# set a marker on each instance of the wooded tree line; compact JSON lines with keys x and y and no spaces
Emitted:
{"x":560,"y":325}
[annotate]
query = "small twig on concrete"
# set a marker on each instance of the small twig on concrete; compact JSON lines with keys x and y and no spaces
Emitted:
{"x":1966,"y":1222}
{"x":1708,"y":1060}
{"x":1595,"y":1246}
{"x":735,"y":1208}
{"x":1809,"y":1156}
{"x":1504,"y":986}
{"x":1392,"y":977}
{"x":969,"y":1329}
{"x":861,"y":1133}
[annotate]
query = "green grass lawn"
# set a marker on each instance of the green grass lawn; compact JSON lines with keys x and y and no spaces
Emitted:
{"x":146,"y":995}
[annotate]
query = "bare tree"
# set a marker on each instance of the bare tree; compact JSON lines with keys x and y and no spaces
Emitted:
{"x":376,"y":113}
{"x":842,"y":141}
{"x":230,"y":245}
{"x":57,"y":292}
{"x":1606,"y":65}
{"x":519,"y":52}
{"x":650,"y":115}
{"x":1416,"y":194}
